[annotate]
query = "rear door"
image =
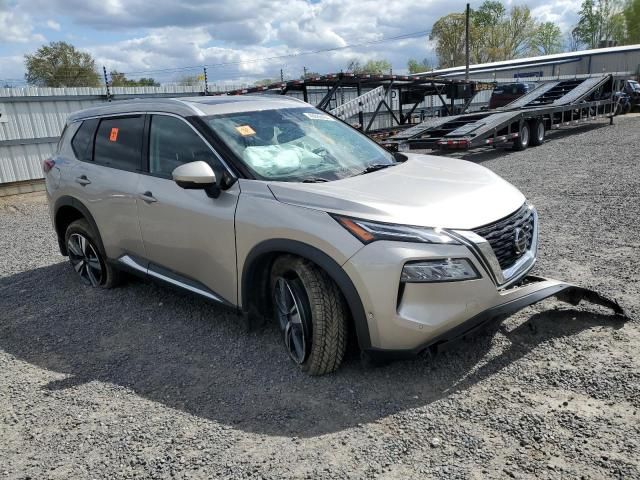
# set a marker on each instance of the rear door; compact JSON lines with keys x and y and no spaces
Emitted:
{"x":106,"y":179}
{"x":189,"y":238}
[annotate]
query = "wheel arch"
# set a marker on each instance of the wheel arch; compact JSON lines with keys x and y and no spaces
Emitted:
{"x":67,"y":210}
{"x":256,"y":272}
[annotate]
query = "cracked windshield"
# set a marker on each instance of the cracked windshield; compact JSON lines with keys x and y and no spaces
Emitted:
{"x":298,"y":144}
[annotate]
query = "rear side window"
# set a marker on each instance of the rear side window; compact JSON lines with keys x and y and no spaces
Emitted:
{"x":82,"y":142}
{"x":119,"y":142}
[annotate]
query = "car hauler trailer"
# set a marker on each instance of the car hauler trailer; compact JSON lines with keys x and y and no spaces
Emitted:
{"x":363,"y":98}
{"x":523,"y":122}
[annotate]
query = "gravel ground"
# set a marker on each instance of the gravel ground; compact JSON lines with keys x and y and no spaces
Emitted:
{"x":144,"y":382}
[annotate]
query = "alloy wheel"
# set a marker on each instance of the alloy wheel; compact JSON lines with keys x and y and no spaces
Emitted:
{"x":84,"y":259}
{"x":293,"y":318}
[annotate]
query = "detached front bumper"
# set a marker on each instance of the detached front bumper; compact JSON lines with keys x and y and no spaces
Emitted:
{"x":407,"y":319}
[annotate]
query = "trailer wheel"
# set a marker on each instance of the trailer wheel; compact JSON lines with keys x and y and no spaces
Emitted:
{"x":522,"y":142}
{"x":538,"y":132}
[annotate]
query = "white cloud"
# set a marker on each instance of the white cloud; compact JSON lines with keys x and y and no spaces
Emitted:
{"x":169,"y":34}
{"x":15,"y":26}
{"x":53,"y":25}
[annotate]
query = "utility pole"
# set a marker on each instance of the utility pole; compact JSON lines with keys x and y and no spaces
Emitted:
{"x":466,"y":43}
{"x":106,"y":83}
{"x":281,"y":75}
{"x":304,"y":70}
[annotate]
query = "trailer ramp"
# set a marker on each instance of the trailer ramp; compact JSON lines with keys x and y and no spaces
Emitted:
{"x":422,"y":127}
{"x":358,"y":104}
{"x":580,"y":92}
{"x":531,"y":96}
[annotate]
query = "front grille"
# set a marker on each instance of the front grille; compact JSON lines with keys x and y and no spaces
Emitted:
{"x":501,"y":235}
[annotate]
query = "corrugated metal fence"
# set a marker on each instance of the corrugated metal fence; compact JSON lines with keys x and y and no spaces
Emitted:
{"x":31,"y":120}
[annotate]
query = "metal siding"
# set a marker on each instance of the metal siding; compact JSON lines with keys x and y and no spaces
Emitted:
{"x":40,"y":118}
{"x":23,"y":162}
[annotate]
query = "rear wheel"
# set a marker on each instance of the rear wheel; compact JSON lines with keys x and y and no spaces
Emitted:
{"x":311,"y":313}
{"x":85,"y":256}
{"x":538,"y":132}
{"x":522,"y":142}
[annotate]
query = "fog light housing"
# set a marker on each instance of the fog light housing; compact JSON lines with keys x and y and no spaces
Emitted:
{"x":441,"y":270}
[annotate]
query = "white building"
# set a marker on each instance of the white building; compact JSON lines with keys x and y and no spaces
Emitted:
{"x":613,"y":59}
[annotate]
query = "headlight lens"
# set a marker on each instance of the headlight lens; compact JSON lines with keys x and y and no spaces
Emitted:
{"x":367,"y":232}
{"x":442,"y":270}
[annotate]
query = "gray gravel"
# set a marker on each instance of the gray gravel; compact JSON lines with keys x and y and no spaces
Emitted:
{"x":143,"y":382}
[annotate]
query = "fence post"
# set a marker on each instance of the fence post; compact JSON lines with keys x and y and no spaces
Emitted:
{"x":206,"y":82}
{"x":106,"y":83}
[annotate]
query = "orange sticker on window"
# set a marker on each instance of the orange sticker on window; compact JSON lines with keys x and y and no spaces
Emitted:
{"x":114,"y":135}
{"x":245,"y":130}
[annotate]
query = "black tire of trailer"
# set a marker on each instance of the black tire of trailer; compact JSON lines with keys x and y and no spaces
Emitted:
{"x":538,"y":132}
{"x":524,"y":136}
{"x":627,"y":108}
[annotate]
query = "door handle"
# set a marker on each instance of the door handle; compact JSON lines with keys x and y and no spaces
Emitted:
{"x":147,"y":197}
{"x":83,"y":180}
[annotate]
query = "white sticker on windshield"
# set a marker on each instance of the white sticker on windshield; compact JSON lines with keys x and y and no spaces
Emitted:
{"x":319,"y":116}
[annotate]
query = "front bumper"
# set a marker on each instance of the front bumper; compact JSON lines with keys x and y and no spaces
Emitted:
{"x":405,"y":319}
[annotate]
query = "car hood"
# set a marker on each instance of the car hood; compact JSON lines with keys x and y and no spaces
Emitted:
{"x":425,"y":190}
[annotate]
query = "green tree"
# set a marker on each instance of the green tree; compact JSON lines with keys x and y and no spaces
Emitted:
{"x":373,"y":67}
{"x":310,"y":75}
{"x":495,"y":34}
{"x":266,"y":81}
{"x":601,"y":23}
{"x":60,"y":64}
{"x":119,"y":79}
{"x":191,"y":80}
{"x":414,"y":66}
{"x":547,"y":39}
{"x":448,"y":33}
{"x":632,"y":20}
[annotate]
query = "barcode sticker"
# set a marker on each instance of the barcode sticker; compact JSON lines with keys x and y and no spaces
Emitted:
{"x":245,"y":130}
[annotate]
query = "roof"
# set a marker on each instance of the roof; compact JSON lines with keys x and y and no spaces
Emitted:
{"x":555,"y":58}
{"x":191,"y":106}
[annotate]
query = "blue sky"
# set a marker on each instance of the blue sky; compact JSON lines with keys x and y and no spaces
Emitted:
{"x":143,"y":37}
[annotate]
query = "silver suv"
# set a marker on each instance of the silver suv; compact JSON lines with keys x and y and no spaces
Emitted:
{"x":277,"y":209}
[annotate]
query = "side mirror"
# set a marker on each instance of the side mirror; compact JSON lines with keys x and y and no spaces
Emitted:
{"x":197,"y":175}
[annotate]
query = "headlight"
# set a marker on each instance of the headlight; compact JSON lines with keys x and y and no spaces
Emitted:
{"x":367,"y":232}
{"x":442,"y":270}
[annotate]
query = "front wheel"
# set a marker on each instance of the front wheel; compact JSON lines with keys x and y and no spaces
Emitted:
{"x":311,"y":313}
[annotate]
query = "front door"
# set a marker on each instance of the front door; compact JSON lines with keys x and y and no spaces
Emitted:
{"x":189,"y":238}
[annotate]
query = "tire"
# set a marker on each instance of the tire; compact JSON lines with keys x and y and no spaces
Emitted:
{"x":538,"y":132}
{"x":87,"y":259}
{"x":618,"y":110}
{"x":627,"y":108}
{"x":311,"y":312}
{"x":522,"y":142}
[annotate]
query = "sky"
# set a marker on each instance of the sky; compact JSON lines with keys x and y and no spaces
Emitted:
{"x":168,"y":39}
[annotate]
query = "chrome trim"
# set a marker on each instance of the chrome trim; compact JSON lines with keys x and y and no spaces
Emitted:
{"x":131,"y":263}
{"x":480,"y":246}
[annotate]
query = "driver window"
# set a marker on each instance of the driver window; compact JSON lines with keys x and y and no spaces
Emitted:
{"x":172,"y":143}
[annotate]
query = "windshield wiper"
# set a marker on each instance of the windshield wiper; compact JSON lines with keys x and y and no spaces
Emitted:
{"x":374,"y":167}
{"x":314,"y":180}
